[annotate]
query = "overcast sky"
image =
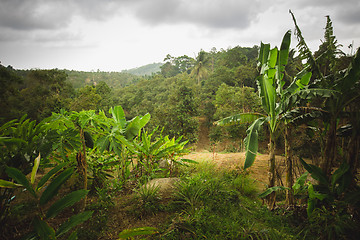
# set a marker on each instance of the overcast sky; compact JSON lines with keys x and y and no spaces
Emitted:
{"x":113,"y":35}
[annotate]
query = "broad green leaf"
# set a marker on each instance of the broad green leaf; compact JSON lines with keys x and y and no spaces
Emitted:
{"x":134,"y":126}
{"x":73,"y":221}
{"x":263,"y":56}
{"x":51,"y":173}
{"x":55,"y":185}
{"x":130,"y":233}
{"x":273,"y":58}
{"x":43,"y":230}
{"x":65,"y":202}
{"x":251,"y":142}
{"x":35,"y":169}
{"x":118,"y":115}
{"x":7,"y":184}
{"x":20,"y":178}
{"x":284,"y":52}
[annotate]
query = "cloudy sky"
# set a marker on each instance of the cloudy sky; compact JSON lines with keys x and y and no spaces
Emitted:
{"x":112,"y":35}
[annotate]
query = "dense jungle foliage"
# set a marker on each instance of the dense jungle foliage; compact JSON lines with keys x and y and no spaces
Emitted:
{"x":79,"y":148}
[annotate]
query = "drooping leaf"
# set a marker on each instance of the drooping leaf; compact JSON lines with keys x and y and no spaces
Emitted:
{"x":72,"y":222}
{"x":129,"y":233}
{"x":55,"y":185}
{"x":34,"y":169}
{"x":251,"y":142}
{"x":65,"y":202}
{"x":7,"y":184}
{"x":20,"y":178}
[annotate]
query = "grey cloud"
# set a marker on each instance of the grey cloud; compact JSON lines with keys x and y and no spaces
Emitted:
{"x":212,"y":14}
{"x":351,"y":14}
{"x":55,"y":14}
{"x":35,"y":14}
{"x":343,"y":11}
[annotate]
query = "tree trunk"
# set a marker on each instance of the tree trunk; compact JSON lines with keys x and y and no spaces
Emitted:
{"x":330,"y":149}
{"x":82,"y":171}
{"x":289,"y":166}
{"x":271,"y":198}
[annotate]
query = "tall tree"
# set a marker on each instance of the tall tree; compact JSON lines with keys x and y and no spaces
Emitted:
{"x":200,"y":69}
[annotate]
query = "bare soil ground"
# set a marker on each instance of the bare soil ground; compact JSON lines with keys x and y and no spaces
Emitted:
{"x":232,"y":161}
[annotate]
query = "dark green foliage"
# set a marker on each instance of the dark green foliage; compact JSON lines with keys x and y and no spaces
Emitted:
{"x":114,"y":80}
{"x":88,"y":140}
{"x":41,"y":227}
{"x":10,"y":83}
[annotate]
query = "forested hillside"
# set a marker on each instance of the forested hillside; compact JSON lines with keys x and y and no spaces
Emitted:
{"x":146,"y":70}
{"x":214,"y":85}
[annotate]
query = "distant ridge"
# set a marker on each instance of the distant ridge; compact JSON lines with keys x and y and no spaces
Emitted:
{"x":148,"y":69}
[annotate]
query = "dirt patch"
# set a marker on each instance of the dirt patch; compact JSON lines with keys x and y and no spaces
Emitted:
{"x":259,"y":170}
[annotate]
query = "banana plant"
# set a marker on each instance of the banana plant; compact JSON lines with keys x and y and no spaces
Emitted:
{"x":52,"y":182}
{"x":118,"y":134}
{"x":277,"y":99}
{"x":345,"y":84}
{"x":71,"y":133}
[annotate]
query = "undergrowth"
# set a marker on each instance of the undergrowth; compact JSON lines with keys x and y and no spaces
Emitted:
{"x":218,"y":204}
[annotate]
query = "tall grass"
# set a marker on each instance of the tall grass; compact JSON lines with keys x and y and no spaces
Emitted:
{"x":220,"y":204}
